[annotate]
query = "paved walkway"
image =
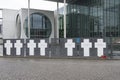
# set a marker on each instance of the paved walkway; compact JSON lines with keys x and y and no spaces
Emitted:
{"x":58,"y":69}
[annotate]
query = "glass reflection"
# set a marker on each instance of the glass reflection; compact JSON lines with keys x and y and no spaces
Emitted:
{"x":40,"y":26}
{"x":92,"y":18}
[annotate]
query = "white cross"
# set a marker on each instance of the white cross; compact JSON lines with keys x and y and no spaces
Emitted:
{"x":42,"y":45}
{"x":86,"y":45}
{"x":70,"y":45}
{"x":18,"y":46}
{"x":100,"y":45}
{"x":8,"y":46}
{"x":31,"y":45}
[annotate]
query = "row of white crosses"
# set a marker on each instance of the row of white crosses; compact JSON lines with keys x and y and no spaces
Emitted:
{"x":18,"y":45}
{"x":32,"y":45}
{"x":86,"y":45}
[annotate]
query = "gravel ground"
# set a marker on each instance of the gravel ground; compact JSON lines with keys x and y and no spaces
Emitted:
{"x":58,"y":69}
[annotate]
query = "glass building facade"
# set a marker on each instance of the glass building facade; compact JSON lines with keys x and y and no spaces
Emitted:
{"x":1,"y":19}
{"x":91,"y":19}
{"x":40,"y":26}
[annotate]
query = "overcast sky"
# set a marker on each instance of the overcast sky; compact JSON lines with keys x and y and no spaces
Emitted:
{"x":37,"y":4}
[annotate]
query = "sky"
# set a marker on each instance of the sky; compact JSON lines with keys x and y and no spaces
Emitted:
{"x":37,"y":4}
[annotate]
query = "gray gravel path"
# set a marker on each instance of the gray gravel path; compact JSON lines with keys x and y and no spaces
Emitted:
{"x":58,"y":69}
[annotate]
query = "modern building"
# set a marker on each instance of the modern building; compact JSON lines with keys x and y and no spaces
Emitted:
{"x":0,"y":23}
{"x":15,"y":24}
{"x":0,"y":27}
{"x":82,"y":18}
{"x":91,"y":18}
{"x":76,"y":19}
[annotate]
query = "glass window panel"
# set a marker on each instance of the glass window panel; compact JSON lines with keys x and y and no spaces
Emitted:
{"x":40,"y":26}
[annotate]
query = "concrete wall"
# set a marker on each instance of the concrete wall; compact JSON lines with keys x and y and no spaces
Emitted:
{"x":9,"y":24}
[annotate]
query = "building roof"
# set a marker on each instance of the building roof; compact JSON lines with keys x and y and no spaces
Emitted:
{"x":73,"y":1}
{"x":56,"y":0}
{"x":63,"y":0}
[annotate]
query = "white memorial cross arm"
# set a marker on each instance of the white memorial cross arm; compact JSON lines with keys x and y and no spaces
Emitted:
{"x":86,"y":45}
{"x":42,"y":45}
{"x":8,"y":46}
{"x":18,"y":46}
{"x":31,"y":45}
{"x":100,"y":45}
{"x":70,"y":45}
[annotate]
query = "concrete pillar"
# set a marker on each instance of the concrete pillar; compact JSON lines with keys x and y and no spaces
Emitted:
{"x":57,"y":29}
{"x":64,"y":18}
{"x":28,"y":18}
